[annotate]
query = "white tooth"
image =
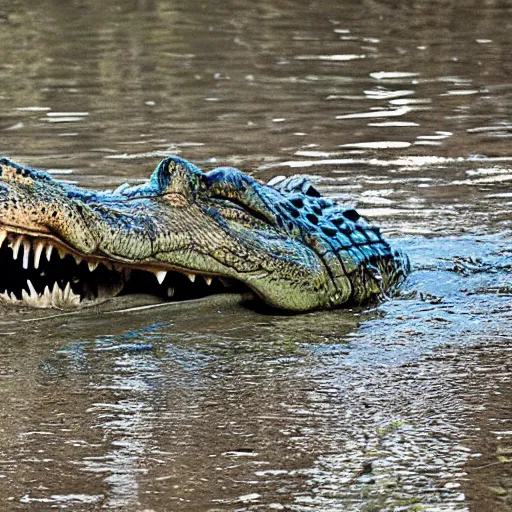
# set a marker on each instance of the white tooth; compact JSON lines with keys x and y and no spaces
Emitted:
{"x":192,"y":277}
{"x":208,"y":280}
{"x":92,"y":265}
{"x":67,"y":291}
{"x":160,"y":276}
{"x":42,"y":302}
{"x":49,"y":249}
{"x":56,"y":294}
{"x":3,"y":235}
{"x":26,"y":254}
{"x":37,"y":253}
{"x":15,"y":246}
{"x":74,"y":299}
{"x":62,"y":253}
{"x":32,"y":289}
{"x":58,"y":298}
{"x":78,"y":259}
{"x":25,"y":297}
{"x":170,"y":292}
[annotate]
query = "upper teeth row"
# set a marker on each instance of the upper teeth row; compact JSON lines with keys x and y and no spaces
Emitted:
{"x":22,"y":245}
{"x":18,"y":242}
{"x":160,"y":275}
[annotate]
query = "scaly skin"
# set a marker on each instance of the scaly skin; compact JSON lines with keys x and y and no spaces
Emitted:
{"x":295,"y":249}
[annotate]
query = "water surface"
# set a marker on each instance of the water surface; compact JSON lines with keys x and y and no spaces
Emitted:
{"x":402,"y":109}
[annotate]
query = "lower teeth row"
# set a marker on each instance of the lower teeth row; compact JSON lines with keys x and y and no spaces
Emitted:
{"x":56,"y":298}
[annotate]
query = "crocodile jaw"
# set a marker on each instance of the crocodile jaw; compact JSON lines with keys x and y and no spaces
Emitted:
{"x":41,"y":271}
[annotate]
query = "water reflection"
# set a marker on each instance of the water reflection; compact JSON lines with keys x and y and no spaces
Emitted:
{"x":401,"y":108}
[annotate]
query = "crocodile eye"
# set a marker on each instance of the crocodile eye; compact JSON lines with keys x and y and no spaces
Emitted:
{"x":224,"y":204}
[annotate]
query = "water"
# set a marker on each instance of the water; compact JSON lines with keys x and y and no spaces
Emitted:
{"x":402,"y":109}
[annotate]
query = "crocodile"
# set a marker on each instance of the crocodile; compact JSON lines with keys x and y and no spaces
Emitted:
{"x":184,"y":234}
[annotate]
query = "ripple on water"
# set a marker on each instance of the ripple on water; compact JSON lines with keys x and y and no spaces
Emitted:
{"x":397,"y":112}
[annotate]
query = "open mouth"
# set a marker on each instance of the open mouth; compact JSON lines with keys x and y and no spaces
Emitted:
{"x":39,"y":271}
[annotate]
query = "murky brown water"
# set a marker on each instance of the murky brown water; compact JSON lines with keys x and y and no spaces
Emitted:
{"x":402,"y":108}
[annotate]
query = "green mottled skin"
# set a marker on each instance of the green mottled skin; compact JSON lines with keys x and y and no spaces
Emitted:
{"x":295,"y":249}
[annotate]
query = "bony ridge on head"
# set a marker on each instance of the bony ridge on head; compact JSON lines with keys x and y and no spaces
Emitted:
{"x":176,"y":177}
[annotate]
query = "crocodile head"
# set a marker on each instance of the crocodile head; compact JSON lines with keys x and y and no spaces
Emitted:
{"x":185,"y":234}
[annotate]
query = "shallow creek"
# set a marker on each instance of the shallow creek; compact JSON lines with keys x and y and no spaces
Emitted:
{"x":402,"y":109}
